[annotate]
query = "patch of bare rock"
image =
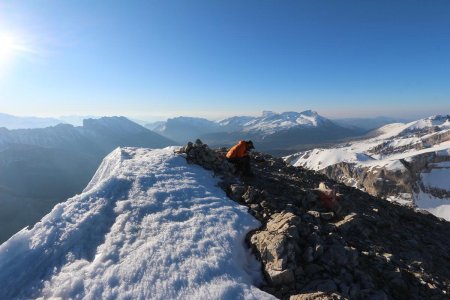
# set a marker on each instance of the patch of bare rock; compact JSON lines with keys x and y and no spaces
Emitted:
{"x":332,"y":242}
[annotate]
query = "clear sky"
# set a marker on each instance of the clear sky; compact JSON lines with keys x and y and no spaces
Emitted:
{"x":220,"y":58}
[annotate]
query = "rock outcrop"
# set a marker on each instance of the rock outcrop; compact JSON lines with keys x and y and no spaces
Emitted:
{"x":336,"y":243}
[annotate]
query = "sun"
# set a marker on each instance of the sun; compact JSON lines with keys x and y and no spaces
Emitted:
{"x":10,"y":46}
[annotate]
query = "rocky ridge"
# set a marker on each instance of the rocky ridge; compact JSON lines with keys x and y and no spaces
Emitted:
{"x":316,"y":246}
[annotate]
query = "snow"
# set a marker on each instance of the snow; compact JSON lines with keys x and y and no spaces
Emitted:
{"x":318,"y":159}
{"x":437,"y":206}
{"x":271,"y":122}
{"x":361,"y":152}
{"x":148,"y":226}
{"x":437,"y":178}
{"x":444,"y":164}
{"x":393,"y":145}
{"x":442,"y":122}
{"x":402,"y":198}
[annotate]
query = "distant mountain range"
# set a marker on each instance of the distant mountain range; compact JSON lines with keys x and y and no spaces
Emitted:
{"x":14,"y":122}
{"x":271,"y":132}
{"x":43,"y":166}
{"x":17,"y":122}
{"x":404,"y":162}
{"x":368,"y":123}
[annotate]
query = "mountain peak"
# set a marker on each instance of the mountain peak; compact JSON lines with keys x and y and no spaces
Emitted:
{"x":268,"y":113}
{"x":310,"y":113}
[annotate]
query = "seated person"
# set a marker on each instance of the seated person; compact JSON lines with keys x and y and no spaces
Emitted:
{"x":238,"y":155}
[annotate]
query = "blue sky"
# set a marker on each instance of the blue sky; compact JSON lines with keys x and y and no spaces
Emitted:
{"x":153,"y":59}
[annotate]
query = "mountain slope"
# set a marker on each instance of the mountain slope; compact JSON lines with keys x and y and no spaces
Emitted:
{"x":14,"y":122}
{"x":41,"y":167}
{"x":402,"y":162}
{"x":147,"y":226}
{"x":315,"y":244}
{"x":272,"y":132}
{"x":367,"y":123}
{"x":183,"y":129}
{"x":152,"y":225}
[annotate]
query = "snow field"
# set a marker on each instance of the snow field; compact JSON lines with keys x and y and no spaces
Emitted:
{"x":394,"y":136}
{"x":148,"y":226}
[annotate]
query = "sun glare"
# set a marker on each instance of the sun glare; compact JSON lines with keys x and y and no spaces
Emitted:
{"x":10,"y":46}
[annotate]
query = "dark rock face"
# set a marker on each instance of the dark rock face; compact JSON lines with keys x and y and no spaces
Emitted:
{"x":314,"y":244}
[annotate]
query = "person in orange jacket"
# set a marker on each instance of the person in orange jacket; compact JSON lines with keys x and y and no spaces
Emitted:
{"x":238,"y":155}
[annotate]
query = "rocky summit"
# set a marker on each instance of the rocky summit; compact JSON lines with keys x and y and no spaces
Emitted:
{"x":323,"y":240}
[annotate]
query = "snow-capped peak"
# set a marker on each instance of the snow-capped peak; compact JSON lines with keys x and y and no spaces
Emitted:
{"x":268,"y":113}
{"x":272,"y":122}
{"x":439,"y":121}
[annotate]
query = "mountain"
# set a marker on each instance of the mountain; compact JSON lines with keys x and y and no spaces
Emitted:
{"x":148,"y":225}
{"x":76,"y":120}
{"x":408,"y":163}
{"x":270,"y":122}
{"x":41,"y":167}
{"x":154,"y":125}
{"x":272,"y":132}
{"x":183,"y":129}
{"x":14,"y":122}
{"x":154,"y":224}
{"x":367,"y":123}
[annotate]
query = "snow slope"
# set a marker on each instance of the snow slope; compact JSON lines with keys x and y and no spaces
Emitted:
{"x":393,"y":137}
{"x":148,"y":226}
{"x":393,"y":148}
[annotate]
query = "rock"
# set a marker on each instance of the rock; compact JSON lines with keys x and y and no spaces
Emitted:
{"x":298,"y":272}
{"x":327,"y":286}
{"x":252,"y":195}
{"x":315,"y":296}
{"x":188,"y":147}
{"x":327,"y":216}
{"x":318,"y":251}
{"x":354,"y":292}
{"x":237,"y":191}
{"x":278,"y":278}
{"x":308,"y":254}
{"x":312,"y":269}
{"x":313,"y":213}
{"x":255,"y":207}
{"x":399,"y":288}
{"x":363,"y":248}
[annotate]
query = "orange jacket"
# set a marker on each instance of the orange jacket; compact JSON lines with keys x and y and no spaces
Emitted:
{"x":239,"y":150}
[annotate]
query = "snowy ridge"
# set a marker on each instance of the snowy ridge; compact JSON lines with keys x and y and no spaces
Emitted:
{"x":397,"y":148}
{"x":270,"y":122}
{"x":147,"y":226}
{"x":387,"y":147}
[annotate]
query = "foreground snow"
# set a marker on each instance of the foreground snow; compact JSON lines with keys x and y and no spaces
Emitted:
{"x":148,"y":226}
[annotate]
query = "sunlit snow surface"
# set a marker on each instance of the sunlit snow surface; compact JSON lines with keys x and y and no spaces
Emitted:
{"x":393,"y":137}
{"x":148,"y":226}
